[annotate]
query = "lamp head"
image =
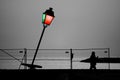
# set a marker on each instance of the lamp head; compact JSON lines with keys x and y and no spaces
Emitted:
{"x":48,"y":16}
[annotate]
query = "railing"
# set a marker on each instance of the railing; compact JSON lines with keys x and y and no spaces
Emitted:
{"x":48,"y":58}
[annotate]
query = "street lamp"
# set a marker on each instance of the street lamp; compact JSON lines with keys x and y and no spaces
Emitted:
{"x":47,"y":18}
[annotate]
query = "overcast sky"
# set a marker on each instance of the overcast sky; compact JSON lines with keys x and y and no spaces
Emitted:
{"x":77,"y":24}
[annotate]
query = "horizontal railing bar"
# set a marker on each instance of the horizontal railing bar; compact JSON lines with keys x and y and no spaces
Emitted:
{"x":61,"y":49}
{"x":48,"y":59}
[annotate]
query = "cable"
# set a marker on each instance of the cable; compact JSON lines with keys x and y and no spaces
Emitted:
{"x":10,"y":55}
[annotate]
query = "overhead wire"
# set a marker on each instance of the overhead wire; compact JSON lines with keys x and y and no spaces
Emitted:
{"x":11,"y":55}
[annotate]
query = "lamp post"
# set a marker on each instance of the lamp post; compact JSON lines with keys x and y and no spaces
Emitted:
{"x":47,"y":18}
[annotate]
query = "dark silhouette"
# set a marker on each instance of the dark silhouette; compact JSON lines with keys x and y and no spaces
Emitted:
{"x":31,"y":66}
{"x":93,"y":61}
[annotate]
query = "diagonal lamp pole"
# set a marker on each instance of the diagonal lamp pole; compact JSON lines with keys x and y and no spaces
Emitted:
{"x":47,"y":18}
{"x":38,"y":44}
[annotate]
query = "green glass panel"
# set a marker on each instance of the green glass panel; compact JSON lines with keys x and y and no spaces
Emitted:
{"x":43,"y":18}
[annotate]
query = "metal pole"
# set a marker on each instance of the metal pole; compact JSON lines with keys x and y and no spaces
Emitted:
{"x":38,"y":44}
{"x":71,"y":57}
{"x":25,"y":57}
{"x":109,"y":57}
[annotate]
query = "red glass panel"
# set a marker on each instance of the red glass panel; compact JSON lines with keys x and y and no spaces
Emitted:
{"x":48,"y":19}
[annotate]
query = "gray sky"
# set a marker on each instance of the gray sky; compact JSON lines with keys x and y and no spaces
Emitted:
{"x":77,"y":24}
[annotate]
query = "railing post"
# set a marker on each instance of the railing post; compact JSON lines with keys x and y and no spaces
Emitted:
{"x":25,"y":57}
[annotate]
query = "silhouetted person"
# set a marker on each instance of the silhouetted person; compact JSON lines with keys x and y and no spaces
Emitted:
{"x":93,"y":61}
